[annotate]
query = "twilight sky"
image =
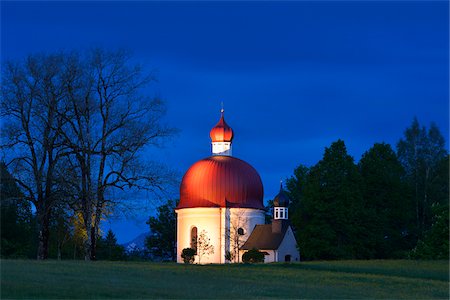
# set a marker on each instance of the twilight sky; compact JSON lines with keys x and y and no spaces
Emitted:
{"x":293,"y":76}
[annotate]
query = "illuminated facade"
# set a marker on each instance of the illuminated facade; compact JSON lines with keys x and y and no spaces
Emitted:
{"x":221,"y":197}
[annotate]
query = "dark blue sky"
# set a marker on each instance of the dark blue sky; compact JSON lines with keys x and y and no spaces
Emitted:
{"x":293,"y":76}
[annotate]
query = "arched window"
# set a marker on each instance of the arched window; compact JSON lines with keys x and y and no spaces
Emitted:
{"x":194,"y":238}
{"x":240,"y":231}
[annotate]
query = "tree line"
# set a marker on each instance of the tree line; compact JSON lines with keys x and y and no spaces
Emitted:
{"x":75,"y":128}
{"x":391,"y":204}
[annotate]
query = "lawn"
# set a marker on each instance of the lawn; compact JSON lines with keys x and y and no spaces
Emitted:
{"x":399,"y":279}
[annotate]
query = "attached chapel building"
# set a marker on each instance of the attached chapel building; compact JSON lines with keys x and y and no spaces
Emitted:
{"x":221,"y":197}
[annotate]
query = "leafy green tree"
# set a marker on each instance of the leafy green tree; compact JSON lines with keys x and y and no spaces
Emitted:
{"x":420,"y":152}
{"x":162,"y":240}
{"x":391,"y":212}
{"x":332,"y":220}
{"x":435,"y":243}
{"x":295,"y":185}
{"x":17,"y":222}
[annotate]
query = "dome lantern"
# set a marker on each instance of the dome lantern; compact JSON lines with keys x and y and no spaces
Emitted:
{"x":221,"y":137}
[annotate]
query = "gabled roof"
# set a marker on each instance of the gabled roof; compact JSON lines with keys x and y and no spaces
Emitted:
{"x":263,"y":238}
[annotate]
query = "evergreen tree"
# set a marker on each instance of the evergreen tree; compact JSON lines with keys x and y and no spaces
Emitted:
{"x":162,"y":240}
{"x":332,"y":222}
{"x":17,"y":221}
{"x":390,"y":211}
{"x":108,"y":249}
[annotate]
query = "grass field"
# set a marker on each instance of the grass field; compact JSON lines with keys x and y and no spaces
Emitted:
{"x":399,"y":279}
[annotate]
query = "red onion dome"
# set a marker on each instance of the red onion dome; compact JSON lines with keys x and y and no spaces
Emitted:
{"x":221,"y":181}
{"x":221,"y":132}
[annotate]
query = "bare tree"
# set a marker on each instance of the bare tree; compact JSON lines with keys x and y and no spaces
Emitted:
{"x":76,"y":128}
{"x":32,"y":94}
{"x":236,"y":235}
{"x":112,"y":122}
{"x":203,"y":245}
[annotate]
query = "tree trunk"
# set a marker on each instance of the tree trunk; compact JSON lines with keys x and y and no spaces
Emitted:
{"x":43,"y":233}
{"x":59,"y":250}
{"x":88,"y":241}
{"x":93,"y":244}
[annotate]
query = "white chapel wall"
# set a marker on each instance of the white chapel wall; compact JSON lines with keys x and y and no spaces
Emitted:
{"x":207,"y":219}
{"x":288,"y":247}
{"x":247,"y":219}
{"x":221,"y":225}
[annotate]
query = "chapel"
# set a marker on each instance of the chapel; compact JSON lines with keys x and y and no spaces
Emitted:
{"x":221,"y":202}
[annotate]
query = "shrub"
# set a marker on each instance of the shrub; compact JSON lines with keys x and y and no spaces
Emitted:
{"x":229,"y":256}
{"x":188,"y":255}
{"x":253,"y":256}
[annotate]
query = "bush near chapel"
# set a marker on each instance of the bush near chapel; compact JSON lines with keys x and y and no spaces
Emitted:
{"x":188,"y":255}
{"x":253,"y":256}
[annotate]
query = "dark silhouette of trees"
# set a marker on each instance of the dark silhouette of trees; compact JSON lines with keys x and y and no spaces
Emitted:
{"x":110,"y":124}
{"x":17,"y":222}
{"x":331,"y":222}
{"x":32,"y":105}
{"x":295,"y":187}
{"x":420,"y":152}
{"x":162,"y":241}
{"x":390,"y":212}
{"x":392,"y":205}
{"x":77,"y":125}
{"x":108,"y":249}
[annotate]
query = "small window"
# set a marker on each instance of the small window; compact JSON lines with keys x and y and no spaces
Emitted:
{"x":194,"y":238}
{"x":287,"y":258}
{"x":276,"y":213}
{"x":282,"y":214}
{"x":240,"y":231}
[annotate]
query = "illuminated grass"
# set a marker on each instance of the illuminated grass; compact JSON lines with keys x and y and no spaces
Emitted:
{"x":331,"y":280}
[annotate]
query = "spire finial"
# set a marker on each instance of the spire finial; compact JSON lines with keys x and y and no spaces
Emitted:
{"x":221,"y":105}
{"x":281,"y":184}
